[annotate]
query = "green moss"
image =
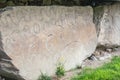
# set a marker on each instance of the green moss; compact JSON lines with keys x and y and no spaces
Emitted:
{"x":10,"y":3}
{"x":3,"y":1}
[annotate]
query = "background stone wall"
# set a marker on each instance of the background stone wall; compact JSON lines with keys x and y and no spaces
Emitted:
{"x":107,"y":20}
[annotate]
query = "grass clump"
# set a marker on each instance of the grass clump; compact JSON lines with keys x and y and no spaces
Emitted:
{"x":109,"y":71}
{"x":60,"y":71}
{"x":44,"y":77}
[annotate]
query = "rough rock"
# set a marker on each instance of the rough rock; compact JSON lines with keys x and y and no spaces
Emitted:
{"x":38,"y":38}
{"x":9,"y":71}
{"x":92,"y":57}
{"x":107,"y":20}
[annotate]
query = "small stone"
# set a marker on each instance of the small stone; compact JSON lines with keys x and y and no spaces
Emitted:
{"x":97,"y":53}
{"x":106,"y":56}
{"x":101,"y":58}
{"x":109,"y":50}
{"x":92,"y":57}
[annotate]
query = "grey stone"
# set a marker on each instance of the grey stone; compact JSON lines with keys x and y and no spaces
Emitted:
{"x":8,"y":70}
{"x":38,"y":38}
{"x":107,"y":20}
{"x":105,"y":56}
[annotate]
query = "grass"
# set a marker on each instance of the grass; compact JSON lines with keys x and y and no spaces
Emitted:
{"x":60,"y":71}
{"x":109,"y":71}
{"x":44,"y":77}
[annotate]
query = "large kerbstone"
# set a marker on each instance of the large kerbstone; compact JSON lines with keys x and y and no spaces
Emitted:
{"x":107,"y":20}
{"x":38,"y":38}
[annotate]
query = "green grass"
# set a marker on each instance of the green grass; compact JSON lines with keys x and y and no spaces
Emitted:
{"x":60,"y":71}
{"x":44,"y":77}
{"x":109,"y":71}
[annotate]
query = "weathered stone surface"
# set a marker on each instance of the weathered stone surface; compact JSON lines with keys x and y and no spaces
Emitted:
{"x":8,"y":70}
{"x":38,"y":38}
{"x":107,"y":20}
